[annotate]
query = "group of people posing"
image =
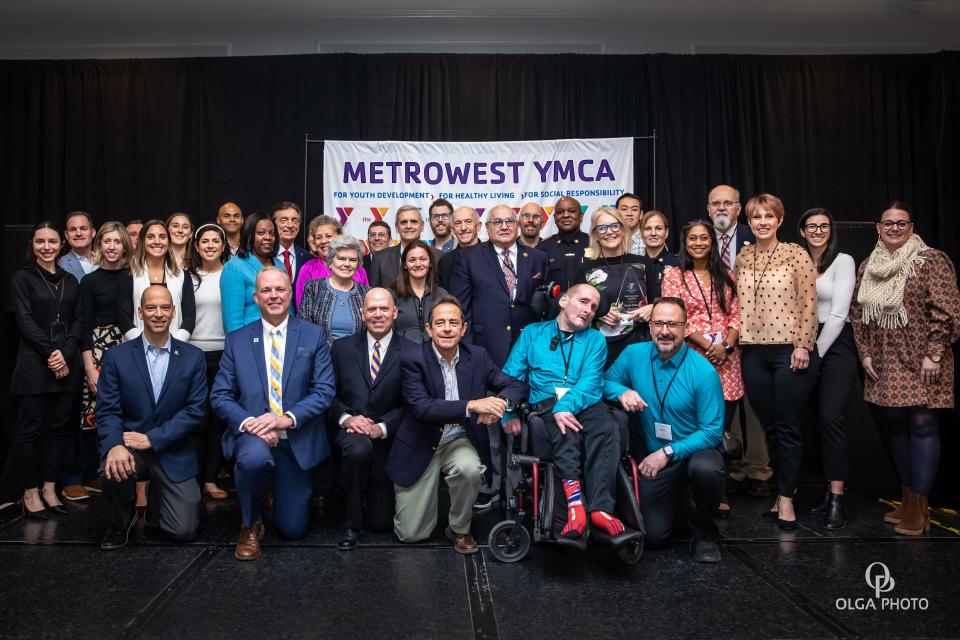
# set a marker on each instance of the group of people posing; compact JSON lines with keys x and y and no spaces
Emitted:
{"x":167,"y":352}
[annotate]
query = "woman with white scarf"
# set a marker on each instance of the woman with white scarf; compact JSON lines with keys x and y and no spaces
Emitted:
{"x":906,"y":316}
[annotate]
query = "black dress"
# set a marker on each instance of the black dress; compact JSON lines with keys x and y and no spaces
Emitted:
{"x":617,"y":279}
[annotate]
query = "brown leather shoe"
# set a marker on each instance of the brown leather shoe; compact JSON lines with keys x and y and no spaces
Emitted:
{"x":216,"y":493}
{"x":917,"y":518}
{"x":893,"y":517}
{"x":75,"y":493}
{"x":248,"y":547}
{"x":463,"y":543}
{"x":93,"y":486}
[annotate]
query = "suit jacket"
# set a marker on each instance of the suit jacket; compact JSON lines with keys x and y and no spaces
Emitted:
{"x":381,"y":400}
{"x":385,"y":265}
{"x":494,"y":321}
{"x":425,"y":411}
{"x":125,"y":403}
{"x":71,"y":264}
{"x":744,"y":237}
{"x":240,"y":388}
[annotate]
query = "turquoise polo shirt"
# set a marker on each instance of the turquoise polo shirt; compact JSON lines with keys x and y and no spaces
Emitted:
{"x":693,"y":407}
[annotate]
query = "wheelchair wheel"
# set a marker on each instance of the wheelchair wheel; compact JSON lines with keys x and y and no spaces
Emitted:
{"x":631,"y":552}
{"x":509,"y":542}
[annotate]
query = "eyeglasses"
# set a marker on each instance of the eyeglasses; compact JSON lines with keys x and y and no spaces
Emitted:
{"x":502,"y":222}
{"x":899,"y":224}
{"x":612,"y":227}
{"x":378,"y":236}
{"x":662,"y":324}
{"x":823,"y":226}
{"x":439,"y":216}
{"x":726,"y":204}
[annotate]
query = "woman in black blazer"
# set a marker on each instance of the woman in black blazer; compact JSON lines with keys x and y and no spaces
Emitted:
{"x":47,"y":376}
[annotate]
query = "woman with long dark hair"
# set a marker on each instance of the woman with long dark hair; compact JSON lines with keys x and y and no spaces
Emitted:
{"x":415,"y":291}
{"x":258,"y":249}
{"x":209,"y":251}
{"x":47,"y":375}
{"x":906,"y":316}
{"x":776,"y":287}
{"x":708,"y":291}
{"x":836,"y":276}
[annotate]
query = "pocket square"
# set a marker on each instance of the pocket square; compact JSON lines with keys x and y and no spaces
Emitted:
{"x":536,"y":275}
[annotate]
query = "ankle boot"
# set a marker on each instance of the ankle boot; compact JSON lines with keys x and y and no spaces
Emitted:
{"x":893,"y":517}
{"x":917,"y":519}
{"x":833,"y":517}
{"x":824,"y":503}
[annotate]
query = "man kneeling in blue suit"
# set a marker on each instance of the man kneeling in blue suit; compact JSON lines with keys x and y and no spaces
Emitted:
{"x":274,"y":385}
{"x":151,"y":396}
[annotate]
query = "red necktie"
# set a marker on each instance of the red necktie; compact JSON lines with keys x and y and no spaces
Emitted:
{"x":286,"y":264}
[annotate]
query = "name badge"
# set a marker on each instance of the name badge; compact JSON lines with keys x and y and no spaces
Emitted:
{"x":662,"y":431}
{"x":561,"y":391}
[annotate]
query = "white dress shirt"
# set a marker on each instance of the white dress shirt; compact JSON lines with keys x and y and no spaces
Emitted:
{"x":384,"y":344}
{"x":281,"y":345}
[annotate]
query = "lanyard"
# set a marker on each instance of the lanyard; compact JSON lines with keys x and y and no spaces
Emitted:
{"x":656,"y":388}
{"x":53,"y":292}
{"x":567,"y":357}
{"x":706,"y":301}
{"x":756,"y":283}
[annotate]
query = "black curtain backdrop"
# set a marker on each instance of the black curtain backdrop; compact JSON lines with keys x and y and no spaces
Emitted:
{"x":143,"y":138}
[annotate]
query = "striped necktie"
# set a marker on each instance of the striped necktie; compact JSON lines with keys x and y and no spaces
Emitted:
{"x":276,"y":374}
{"x":509,"y":274}
{"x":375,"y":362}
{"x":725,"y":254}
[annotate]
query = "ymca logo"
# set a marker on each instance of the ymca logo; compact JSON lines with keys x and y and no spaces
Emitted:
{"x":344,"y":213}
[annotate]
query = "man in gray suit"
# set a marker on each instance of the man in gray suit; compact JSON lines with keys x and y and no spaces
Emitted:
{"x":79,"y":233}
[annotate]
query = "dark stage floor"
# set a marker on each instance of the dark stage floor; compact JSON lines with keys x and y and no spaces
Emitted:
{"x":55,"y":582}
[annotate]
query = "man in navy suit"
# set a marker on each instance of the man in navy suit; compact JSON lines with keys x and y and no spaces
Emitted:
{"x":723,"y":207}
{"x":288,"y":218}
{"x":365,"y":415}
{"x":447,"y":393}
{"x":151,"y":396}
{"x":274,"y":385}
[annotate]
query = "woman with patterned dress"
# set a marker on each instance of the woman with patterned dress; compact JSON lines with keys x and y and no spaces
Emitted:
{"x":336,"y":303}
{"x":906,"y":316}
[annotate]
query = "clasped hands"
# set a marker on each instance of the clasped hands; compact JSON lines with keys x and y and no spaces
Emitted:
{"x":268,"y":427}
{"x":613,"y":317}
{"x":120,"y":464}
{"x":364,"y":426}
{"x":58,"y":365}
{"x":488,"y":410}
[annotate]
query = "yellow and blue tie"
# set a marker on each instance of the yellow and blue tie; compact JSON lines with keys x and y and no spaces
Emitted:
{"x":276,"y":374}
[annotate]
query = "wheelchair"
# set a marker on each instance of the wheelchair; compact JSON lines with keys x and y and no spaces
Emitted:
{"x":536,"y":509}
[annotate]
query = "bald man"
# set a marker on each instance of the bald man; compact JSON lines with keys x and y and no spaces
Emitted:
{"x":151,"y":396}
{"x":365,"y":415}
{"x":565,"y":248}
{"x":531,"y":222}
{"x":230,"y":219}
{"x":466,"y":227}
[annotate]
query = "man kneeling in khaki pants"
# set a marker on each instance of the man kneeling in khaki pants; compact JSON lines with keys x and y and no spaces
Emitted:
{"x":442,"y":432}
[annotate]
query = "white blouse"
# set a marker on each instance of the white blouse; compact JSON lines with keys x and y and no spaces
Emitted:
{"x":208,"y":329}
{"x":834,"y":295}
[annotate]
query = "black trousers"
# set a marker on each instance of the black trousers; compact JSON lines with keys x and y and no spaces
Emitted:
{"x":664,"y":500}
{"x":590,"y":455}
{"x":777,"y":395}
{"x":177,"y":503}
{"x":44,"y":422}
{"x":81,"y":451}
{"x":368,"y":492}
{"x":838,"y":369}
{"x":207,"y":439}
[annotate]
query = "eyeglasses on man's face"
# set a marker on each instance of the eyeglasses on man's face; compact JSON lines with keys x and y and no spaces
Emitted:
{"x":439,"y":216}
{"x":726,"y":204}
{"x":502,"y":222}
{"x":666,"y":324}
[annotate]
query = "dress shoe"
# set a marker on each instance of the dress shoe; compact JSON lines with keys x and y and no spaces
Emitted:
{"x":93,"y":486}
{"x":349,"y":540}
{"x":34,"y":515}
{"x":893,"y":517}
{"x":248,"y":547}
{"x":917,"y":518}
{"x":705,"y":551}
{"x":116,"y":538}
{"x":824,"y":502}
{"x":56,"y":509}
{"x":758,"y":488}
{"x":463,"y":543}
{"x":75,"y":493}
{"x":216,"y":493}
{"x":773,"y":513}
{"x":833,"y":517}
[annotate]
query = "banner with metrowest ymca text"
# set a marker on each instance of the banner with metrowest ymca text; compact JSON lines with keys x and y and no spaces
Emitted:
{"x":367,"y":181}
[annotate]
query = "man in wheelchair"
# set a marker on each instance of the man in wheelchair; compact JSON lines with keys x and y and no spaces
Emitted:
{"x":680,"y":400}
{"x":562,"y":362}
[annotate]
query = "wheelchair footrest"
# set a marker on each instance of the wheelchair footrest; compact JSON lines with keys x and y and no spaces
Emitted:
{"x":580,"y":544}
{"x":618,"y":540}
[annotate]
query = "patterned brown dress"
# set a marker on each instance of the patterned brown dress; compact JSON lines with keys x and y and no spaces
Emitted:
{"x":932,"y":303}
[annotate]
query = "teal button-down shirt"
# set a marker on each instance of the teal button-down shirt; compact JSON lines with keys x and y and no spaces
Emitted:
{"x":693,"y":407}
{"x":532,"y":361}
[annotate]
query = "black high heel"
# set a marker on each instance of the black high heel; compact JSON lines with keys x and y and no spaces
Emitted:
{"x":34,"y":515}
{"x":772,"y":514}
{"x":788,"y":525}
{"x":56,"y":509}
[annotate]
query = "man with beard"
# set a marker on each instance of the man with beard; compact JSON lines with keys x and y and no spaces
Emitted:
{"x":678,"y":394}
{"x":531,"y":222}
{"x":440,"y":213}
{"x":723,"y":207}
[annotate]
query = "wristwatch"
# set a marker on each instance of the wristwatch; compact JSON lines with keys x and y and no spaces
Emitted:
{"x":668,"y":451}
{"x":727,"y":347}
